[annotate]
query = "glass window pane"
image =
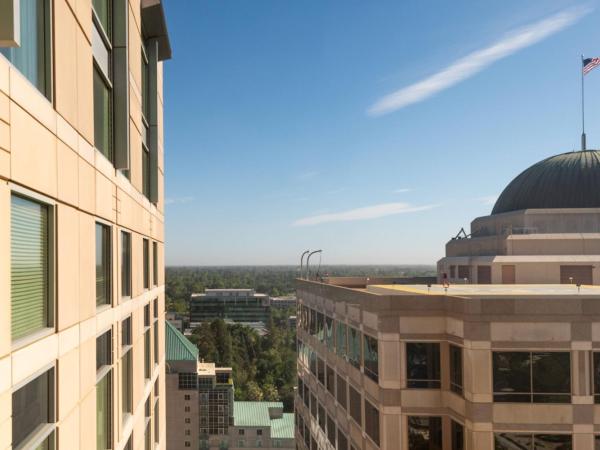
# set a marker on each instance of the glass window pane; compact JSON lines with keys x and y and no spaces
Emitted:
{"x":126,"y":381}
{"x":32,"y":57}
{"x":512,"y":381}
{"x":329,"y":333}
{"x":102,"y":116}
{"x":458,"y":436}
{"x":145,"y":172}
{"x":30,"y":308}
{"x":125,"y":264}
{"x":32,"y":407}
{"x":104,"y":350}
{"x":513,"y":441}
{"x":423,"y":365}
{"x":155,"y":263}
{"x":355,"y":405}
{"x":341,"y":339}
{"x":354,"y":348}
{"x":371,"y":358}
{"x":424,"y":433}
{"x":341,"y":392}
{"x":551,"y":374}
{"x":552,"y":442}
{"x":145,"y":103}
{"x":103,"y":284}
{"x":103,"y":12}
{"x":103,"y":412}
{"x":372,"y":422}
{"x":456,"y":376}
{"x":146,"y":259}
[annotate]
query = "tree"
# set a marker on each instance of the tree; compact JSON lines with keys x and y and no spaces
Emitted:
{"x":270,"y":393}
{"x":254,"y":393}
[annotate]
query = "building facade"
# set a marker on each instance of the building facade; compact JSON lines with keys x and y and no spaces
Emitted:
{"x":261,"y":426}
{"x":472,"y":367}
{"x":236,"y":305}
{"x":544,"y":228}
{"x":199,"y":397}
{"x":81,"y":224}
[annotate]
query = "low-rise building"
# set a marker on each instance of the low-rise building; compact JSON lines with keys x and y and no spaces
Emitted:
{"x":199,"y":397}
{"x":287,"y":301}
{"x":464,"y":367}
{"x":261,"y":425}
{"x":243,"y":306}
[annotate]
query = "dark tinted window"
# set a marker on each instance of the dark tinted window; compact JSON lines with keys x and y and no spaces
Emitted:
{"x":526,"y":441}
{"x":456,"y":369}
{"x":341,"y":392}
{"x":372,"y":422}
{"x":103,"y":350}
{"x":355,"y":405}
{"x":458,"y":436}
{"x":32,"y":407}
{"x":331,"y":380}
{"x":371,"y":358}
{"x":424,"y":433}
{"x":423,"y":365}
{"x":539,"y":377}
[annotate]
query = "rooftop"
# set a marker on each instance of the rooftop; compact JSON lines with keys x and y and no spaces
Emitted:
{"x":256,"y":414}
{"x":488,"y":290}
{"x":177,"y":346}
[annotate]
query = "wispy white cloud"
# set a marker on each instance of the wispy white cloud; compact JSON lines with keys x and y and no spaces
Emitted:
{"x":402,"y":190}
{"x":475,"y":62}
{"x":307,"y":175}
{"x":488,"y":199}
{"x":365,"y":213}
{"x":174,"y":200}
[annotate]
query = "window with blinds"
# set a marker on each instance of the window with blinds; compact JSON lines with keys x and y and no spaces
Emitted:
{"x":31,"y":306}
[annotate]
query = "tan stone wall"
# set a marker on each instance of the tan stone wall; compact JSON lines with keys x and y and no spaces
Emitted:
{"x":46,"y":147}
{"x":479,"y":326}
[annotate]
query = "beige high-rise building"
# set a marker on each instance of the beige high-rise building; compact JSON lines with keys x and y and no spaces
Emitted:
{"x":479,"y":367}
{"x":504,"y":355}
{"x":81,"y":224}
{"x":544,"y":228}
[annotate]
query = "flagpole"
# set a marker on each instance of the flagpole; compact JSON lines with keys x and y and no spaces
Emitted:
{"x":583,"y":143}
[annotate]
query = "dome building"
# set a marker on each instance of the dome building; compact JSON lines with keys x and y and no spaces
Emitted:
{"x":544,"y":228}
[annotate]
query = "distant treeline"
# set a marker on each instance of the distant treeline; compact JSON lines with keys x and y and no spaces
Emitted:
{"x":181,"y":282}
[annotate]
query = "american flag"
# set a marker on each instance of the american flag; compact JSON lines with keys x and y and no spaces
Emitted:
{"x":590,"y":64}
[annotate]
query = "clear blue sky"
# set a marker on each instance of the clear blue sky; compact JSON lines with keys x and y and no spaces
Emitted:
{"x":276,"y":139}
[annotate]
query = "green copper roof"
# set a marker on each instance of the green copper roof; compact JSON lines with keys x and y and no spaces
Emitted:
{"x":568,"y":180}
{"x":178,"y":347}
{"x":283,"y":428}
{"x":256,"y":414}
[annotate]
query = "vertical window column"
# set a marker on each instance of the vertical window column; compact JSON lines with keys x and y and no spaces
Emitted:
{"x":102,"y":52}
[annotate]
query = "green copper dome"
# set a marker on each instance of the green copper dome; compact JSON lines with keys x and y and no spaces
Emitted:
{"x":569,"y":180}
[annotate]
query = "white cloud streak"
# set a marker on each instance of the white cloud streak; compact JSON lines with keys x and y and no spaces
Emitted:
{"x":402,"y":190}
{"x":172,"y":201}
{"x":475,"y":62}
{"x":488,"y":199}
{"x":365,"y":213}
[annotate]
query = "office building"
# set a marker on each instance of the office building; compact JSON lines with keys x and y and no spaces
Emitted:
{"x":288,"y":301}
{"x":544,"y":228}
{"x":261,"y":425}
{"x":81,"y":224}
{"x":199,"y":397}
{"x":411,"y":367}
{"x":243,"y":306}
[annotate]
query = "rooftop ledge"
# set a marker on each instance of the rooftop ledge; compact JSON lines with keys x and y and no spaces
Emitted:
{"x":487,"y":290}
